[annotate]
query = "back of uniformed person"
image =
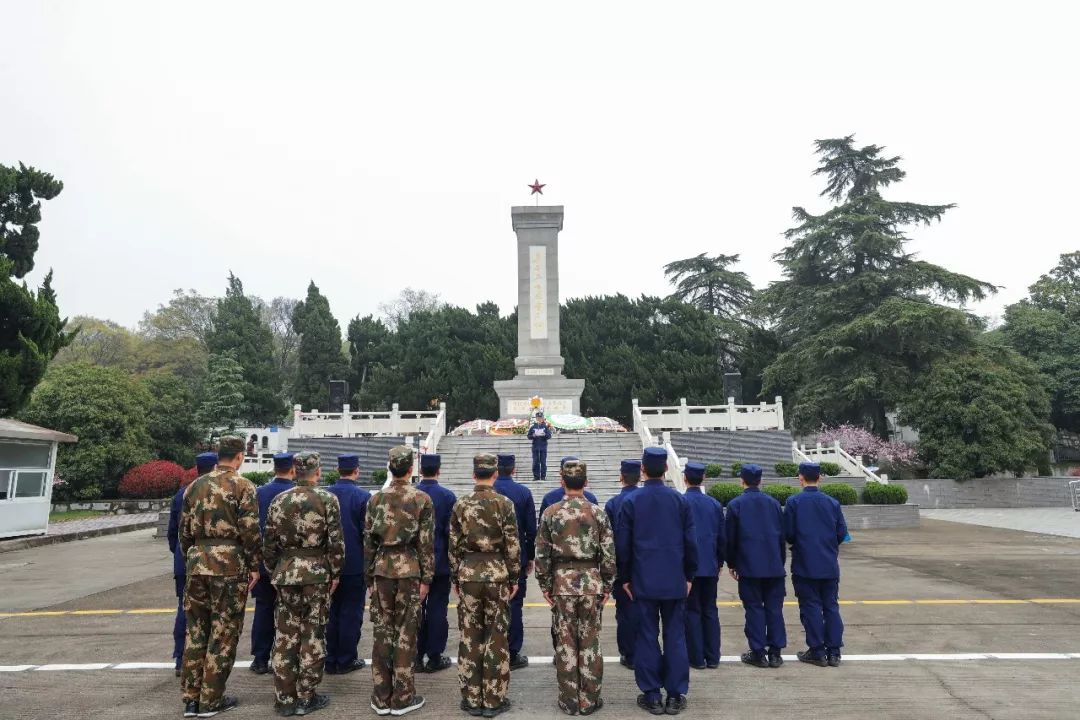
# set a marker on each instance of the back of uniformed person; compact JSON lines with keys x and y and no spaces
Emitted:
{"x":434,"y":626}
{"x":556,"y":494}
{"x":702,"y":617}
{"x":219,"y":536}
{"x":625,"y":613}
{"x":262,"y":622}
{"x":204,"y":463}
{"x":400,"y":555}
{"x":485,"y":562}
{"x":755,"y":556}
{"x":525,"y":511}
{"x":814,"y":526}
{"x":347,"y":602}
{"x":575,"y":566}
{"x":305,"y":552}
{"x":656,"y":548}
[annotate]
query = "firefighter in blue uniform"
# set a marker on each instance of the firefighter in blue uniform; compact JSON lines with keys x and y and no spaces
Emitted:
{"x":702,"y":617}
{"x":346,"y":618}
{"x":262,"y":622}
{"x":539,"y":432}
{"x":755,"y":557}
{"x":525,"y":510}
{"x":204,"y":463}
{"x":814,"y":526}
{"x":625,"y":613}
{"x":554,"y":496}
{"x":656,"y":548}
{"x":434,"y":626}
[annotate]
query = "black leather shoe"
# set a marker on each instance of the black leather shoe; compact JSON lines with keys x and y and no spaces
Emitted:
{"x":438,"y":664}
{"x":833,"y":660}
{"x":191,"y":708}
{"x":492,"y":712}
{"x":626,"y":662}
{"x":518,"y":661}
{"x":656,"y":707}
{"x":599,"y":705}
{"x":712,"y":665}
{"x":355,"y":665}
{"x":285,"y":710}
{"x":702,"y":666}
{"x":260,"y":668}
{"x":756,"y":659}
{"x":177,"y":671}
{"x":314,"y":703}
{"x":775,"y":660}
{"x":226,"y":703}
{"x":329,"y":670}
{"x":675,"y":704}
{"x":418,"y":665}
{"x":808,"y":657}
{"x":474,"y":711}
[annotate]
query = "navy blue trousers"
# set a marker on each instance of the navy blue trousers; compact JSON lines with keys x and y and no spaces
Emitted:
{"x":819,"y":610}
{"x":703,"y":622}
{"x":539,"y":454}
{"x":626,"y":622}
{"x":262,"y":622}
{"x":434,"y":626}
{"x":179,"y":629}
{"x":655,"y":669}
{"x":763,"y":603}
{"x":344,"y":622}
{"x":517,"y":624}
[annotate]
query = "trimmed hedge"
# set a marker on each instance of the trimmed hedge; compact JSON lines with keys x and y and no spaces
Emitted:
{"x":736,"y":469}
{"x":786,"y":469}
{"x":725,"y":492}
{"x":844,"y":493}
{"x":780,"y":492}
{"x":259,"y":477}
{"x":830,"y":469}
{"x":153,"y":480}
{"x":330,"y":477}
{"x":880,"y":494}
{"x":714,"y":470}
{"x":379,"y":475}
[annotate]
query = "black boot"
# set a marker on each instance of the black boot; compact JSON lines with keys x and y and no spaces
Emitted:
{"x":757,"y":659}
{"x":775,"y":660}
{"x":808,"y":657}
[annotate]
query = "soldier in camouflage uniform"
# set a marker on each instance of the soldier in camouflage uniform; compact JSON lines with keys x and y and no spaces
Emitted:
{"x":399,"y":555}
{"x":575,"y":566}
{"x":485,"y":562}
{"x":219,"y":536}
{"x":304,"y":551}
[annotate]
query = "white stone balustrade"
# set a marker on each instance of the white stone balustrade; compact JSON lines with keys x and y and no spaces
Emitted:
{"x":764,"y":416}
{"x":351,"y":424}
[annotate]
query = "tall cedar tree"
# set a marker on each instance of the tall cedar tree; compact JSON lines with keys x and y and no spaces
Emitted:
{"x":31,"y":331}
{"x":222,"y":406}
{"x":320,"y":359}
{"x":238,"y":330}
{"x":707,"y":283}
{"x":857,"y":316}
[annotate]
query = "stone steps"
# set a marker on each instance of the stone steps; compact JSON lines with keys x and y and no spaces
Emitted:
{"x":763,"y":447}
{"x":373,"y":450}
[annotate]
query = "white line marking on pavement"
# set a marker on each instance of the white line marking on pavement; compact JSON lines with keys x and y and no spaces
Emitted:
{"x":143,"y":666}
{"x":60,"y":668}
{"x":15,"y":668}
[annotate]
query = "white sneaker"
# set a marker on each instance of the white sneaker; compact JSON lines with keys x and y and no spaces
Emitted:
{"x":380,"y":711}
{"x":417,"y":703}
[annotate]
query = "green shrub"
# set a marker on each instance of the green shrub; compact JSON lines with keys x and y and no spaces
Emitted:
{"x":736,"y":469}
{"x":379,"y":475}
{"x":780,"y":492}
{"x":844,"y":493}
{"x":830,"y":469}
{"x":881,"y":494}
{"x":259,"y":477}
{"x":714,"y":470}
{"x":330,"y":477}
{"x":725,"y":492}
{"x":786,"y":469}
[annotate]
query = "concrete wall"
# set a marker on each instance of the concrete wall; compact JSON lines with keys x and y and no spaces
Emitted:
{"x":880,"y":517}
{"x":989,"y":492}
{"x":116,"y":507}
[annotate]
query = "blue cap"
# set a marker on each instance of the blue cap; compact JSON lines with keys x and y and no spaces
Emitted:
{"x":348,"y":462}
{"x":430,"y":463}
{"x":506,"y":461}
{"x":630,"y":467}
{"x":694,"y":471}
{"x":205,"y":462}
{"x":283,"y":461}
{"x":654,"y":459}
{"x":751,"y":474}
{"x":567,"y":459}
{"x":810,"y":470}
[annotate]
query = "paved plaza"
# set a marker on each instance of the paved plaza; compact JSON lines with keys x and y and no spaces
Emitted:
{"x":1061,"y":521}
{"x":947,"y":621}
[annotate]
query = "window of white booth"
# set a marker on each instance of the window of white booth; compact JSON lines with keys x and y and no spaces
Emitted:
{"x":24,"y":469}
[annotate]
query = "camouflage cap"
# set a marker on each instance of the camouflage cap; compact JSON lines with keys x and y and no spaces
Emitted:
{"x":574,"y":470}
{"x":485,"y":462}
{"x":231,"y":445}
{"x":400,"y":459}
{"x":306,"y":463}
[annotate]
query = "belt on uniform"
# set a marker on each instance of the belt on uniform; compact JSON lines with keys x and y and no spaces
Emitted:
{"x":223,"y":542}
{"x":576,"y":563}
{"x":308,"y":552}
{"x":485,"y":555}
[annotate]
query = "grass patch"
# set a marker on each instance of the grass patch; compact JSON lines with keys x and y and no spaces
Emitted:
{"x":69,"y":515}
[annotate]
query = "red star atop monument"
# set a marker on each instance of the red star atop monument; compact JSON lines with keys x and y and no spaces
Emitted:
{"x":537,"y":188}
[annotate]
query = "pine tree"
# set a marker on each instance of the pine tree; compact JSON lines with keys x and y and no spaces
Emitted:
{"x":707,"y":283}
{"x":223,"y":401}
{"x":320,"y":359}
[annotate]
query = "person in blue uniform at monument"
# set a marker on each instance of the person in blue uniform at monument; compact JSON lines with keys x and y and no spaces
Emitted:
{"x":814,"y":526}
{"x":204,"y":463}
{"x":262,"y":622}
{"x":755,"y":557}
{"x":525,"y":510}
{"x":702,"y":617}
{"x":434,"y":625}
{"x":557,"y":494}
{"x":539,"y":432}
{"x":656,"y":548}
{"x":346,"y":617}
{"x":625,"y":613}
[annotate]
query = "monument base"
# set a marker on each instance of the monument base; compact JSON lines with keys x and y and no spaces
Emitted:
{"x":562,"y":396}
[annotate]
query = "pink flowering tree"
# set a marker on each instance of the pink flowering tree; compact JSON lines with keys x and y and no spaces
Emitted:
{"x":860,"y":442}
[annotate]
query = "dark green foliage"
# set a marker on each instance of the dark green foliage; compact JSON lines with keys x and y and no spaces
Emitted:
{"x":259,"y":477}
{"x":980,"y":413}
{"x":320,"y":359}
{"x":222,"y":405}
{"x":878,"y":494}
{"x":107,"y":409}
{"x":171,"y":418}
{"x":367,"y":338}
{"x":856,"y":315}
{"x":844,"y":493}
{"x":238,"y":329}
{"x":714,"y":470}
{"x":725,"y":492}
{"x":736,"y":469}
{"x":379,"y":475}
{"x":786,"y":469}
{"x":780,"y":492}
{"x":330,"y":477}
{"x":829,"y":468}
{"x":31,"y":331}
{"x":707,"y":283}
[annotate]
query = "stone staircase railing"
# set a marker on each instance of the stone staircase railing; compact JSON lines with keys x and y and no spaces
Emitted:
{"x":675,"y":465}
{"x":836,"y":454}
{"x":348,"y":423}
{"x":765,"y":416}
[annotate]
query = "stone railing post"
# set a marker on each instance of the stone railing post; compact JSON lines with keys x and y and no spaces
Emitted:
{"x":684,"y":415}
{"x":779,"y":413}
{"x":297,"y":411}
{"x":731,"y":414}
{"x":346,"y":421}
{"x":635,"y":413}
{"x":395,"y":420}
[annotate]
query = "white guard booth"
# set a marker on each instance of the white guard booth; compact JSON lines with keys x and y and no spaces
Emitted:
{"x":27,"y":463}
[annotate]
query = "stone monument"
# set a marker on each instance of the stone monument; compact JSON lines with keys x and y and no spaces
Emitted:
{"x":539,"y":362}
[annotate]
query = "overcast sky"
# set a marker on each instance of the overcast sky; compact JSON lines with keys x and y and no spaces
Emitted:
{"x":376,"y":146}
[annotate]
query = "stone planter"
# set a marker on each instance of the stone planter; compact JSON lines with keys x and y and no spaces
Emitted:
{"x":880,"y":517}
{"x":116,"y":507}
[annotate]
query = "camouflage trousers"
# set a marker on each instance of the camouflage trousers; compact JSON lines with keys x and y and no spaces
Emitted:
{"x":299,"y":641}
{"x":214,"y":610}
{"x":484,"y":651}
{"x":395,"y":613}
{"x":579,"y":664}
